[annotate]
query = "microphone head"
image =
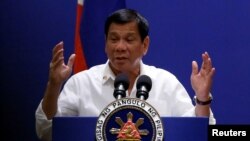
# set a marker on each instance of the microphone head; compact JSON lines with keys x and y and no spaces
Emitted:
{"x":122,"y":79}
{"x":144,"y":80}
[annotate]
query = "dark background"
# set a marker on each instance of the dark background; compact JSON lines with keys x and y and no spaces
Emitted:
{"x":180,"y":31}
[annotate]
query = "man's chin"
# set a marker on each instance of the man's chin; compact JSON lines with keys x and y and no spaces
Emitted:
{"x":122,"y":67}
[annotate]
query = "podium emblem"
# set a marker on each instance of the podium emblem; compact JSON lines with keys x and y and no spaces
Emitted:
{"x":129,"y":130}
{"x":129,"y":119}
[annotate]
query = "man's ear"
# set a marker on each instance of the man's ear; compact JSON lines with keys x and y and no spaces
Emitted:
{"x":146,"y":45}
{"x":105,"y":44}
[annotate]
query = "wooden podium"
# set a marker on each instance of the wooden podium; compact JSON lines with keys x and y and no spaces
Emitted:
{"x":175,"y":128}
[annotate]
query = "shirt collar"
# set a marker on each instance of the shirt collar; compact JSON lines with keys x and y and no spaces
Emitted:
{"x":109,"y":75}
{"x":142,"y":68}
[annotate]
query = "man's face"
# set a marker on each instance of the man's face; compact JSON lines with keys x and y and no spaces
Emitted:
{"x":124,"y":47}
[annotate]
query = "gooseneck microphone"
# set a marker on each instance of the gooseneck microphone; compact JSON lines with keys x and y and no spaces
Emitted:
{"x":121,"y":85}
{"x":143,"y":85}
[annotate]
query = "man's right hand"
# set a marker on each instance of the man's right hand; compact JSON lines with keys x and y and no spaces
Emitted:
{"x":59,"y":71}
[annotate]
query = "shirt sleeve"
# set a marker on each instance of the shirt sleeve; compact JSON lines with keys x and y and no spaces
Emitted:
{"x":212,"y":120}
{"x":67,"y":106}
{"x":191,"y":113}
{"x":43,"y":125}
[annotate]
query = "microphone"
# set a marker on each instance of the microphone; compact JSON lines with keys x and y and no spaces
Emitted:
{"x":121,"y":85}
{"x":143,"y":85}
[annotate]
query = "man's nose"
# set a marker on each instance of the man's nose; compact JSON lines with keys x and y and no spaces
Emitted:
{"x":121,"y":45}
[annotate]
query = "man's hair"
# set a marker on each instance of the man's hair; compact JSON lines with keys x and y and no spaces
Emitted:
{"x":124,"y":16}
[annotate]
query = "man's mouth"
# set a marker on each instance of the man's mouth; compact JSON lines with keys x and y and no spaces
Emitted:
{"x":121,"y":58}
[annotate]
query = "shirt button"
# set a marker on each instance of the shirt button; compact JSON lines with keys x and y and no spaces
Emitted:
{"x":105,"y":77}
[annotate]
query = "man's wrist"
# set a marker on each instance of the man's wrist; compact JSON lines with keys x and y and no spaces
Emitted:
{"x":201,"y":102}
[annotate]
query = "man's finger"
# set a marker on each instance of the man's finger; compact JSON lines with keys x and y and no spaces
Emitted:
{"x":194,"y":67}
{"x":57,"y":63}
{"x":57,"y":47}
{"x":58,"y":54}
{"x":71,"y":60}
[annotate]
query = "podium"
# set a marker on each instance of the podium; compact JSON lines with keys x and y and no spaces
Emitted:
{"x":175,"y":128}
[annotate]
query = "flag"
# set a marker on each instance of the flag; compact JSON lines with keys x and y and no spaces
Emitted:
{"x":91,"y":36}
{"x":80,"y":62}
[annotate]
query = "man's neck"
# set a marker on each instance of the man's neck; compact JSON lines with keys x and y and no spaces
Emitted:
{"x":132,"y":76}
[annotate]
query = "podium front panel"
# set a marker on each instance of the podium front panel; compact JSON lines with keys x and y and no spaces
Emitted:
{"x":175,"y":128}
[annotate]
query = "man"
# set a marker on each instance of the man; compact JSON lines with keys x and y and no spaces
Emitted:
{"x":88,"y":92}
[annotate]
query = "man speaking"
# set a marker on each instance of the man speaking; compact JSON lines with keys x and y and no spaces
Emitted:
{"x":88,"y":92}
